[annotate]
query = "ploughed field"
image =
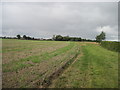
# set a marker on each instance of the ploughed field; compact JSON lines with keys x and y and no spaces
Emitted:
{"x":57,"y":64}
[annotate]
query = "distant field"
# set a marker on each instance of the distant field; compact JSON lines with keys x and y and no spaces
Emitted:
{"x":57,"y":64}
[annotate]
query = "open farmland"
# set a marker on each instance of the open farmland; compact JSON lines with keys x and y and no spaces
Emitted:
{"x":38,"y":64}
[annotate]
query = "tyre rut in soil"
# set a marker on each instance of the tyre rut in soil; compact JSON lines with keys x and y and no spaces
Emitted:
{"x":48,"y":81}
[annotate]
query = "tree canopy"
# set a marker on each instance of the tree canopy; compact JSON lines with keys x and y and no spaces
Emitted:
{"x":65,"y":38}
{"x":18,"y":36}
{"x":100,"y":37}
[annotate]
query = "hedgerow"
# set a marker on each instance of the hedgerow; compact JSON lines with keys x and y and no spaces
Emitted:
{"x":110,"y":45}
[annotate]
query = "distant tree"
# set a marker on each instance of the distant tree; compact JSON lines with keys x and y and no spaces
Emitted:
{"x":66,"y":38}
{"x":33,"y":38}
{"x":83,"y":39}
{"x":100,"y":37}
{"x":59,"y":38}
{"x":29,"y":38}
{"x":71,"y":39}
{"x":4,"y":37}
{"x":18,"y":36}
{"x":24,"y":37}
{"x":54,"y":37}
{"x":79,"y":39}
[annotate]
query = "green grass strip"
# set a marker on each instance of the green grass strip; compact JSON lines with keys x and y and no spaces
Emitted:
{"x":97,"y":68}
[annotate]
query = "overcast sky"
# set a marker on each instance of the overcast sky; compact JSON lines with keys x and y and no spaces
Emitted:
{"x":45,"y":19}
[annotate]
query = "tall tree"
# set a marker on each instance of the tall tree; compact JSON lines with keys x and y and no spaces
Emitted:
{"x":100,"y":37}
{"x":54,"y":37}
{"x":59,"y":38}
{"x":18,"y":36}
{"x":24,"y":37}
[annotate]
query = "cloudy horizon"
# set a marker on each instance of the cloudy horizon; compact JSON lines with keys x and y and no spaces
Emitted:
{"x":43,"y":20}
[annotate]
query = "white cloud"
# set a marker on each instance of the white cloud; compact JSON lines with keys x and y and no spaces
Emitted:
{"x":108,"y":29}
{"x":111,"y":32}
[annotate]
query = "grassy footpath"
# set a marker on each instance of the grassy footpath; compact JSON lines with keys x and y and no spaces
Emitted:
{"x":97,"y":68}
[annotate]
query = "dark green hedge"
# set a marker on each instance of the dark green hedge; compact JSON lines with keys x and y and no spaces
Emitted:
{"x":114,"y":46}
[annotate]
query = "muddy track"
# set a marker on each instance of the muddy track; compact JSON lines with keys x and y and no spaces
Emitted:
{"x":48,"y":81}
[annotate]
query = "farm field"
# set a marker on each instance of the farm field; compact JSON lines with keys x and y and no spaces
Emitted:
{"x":57,"y":64}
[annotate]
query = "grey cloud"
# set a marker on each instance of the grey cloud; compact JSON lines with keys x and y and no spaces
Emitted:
{"x":46,"y":19}
{"x":60,"y":0}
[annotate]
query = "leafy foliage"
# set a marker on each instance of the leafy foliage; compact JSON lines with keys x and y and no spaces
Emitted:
{"x":28,"y":37}
{"x":18,"y":36}
{"x":67,"y":38}
{"x":100,"y":37}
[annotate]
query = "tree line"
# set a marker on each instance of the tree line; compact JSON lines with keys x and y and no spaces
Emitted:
{"x":25,"y":37}
{"x":67,"y":38}
{"x":98,"y":38}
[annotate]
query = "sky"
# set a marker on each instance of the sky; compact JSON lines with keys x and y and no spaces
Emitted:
{"x":45,"y":19}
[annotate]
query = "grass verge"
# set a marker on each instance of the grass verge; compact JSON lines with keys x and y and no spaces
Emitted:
{"x":97,"y":68}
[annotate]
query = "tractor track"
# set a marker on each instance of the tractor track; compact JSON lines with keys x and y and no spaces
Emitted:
{"x":48,"y":80}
